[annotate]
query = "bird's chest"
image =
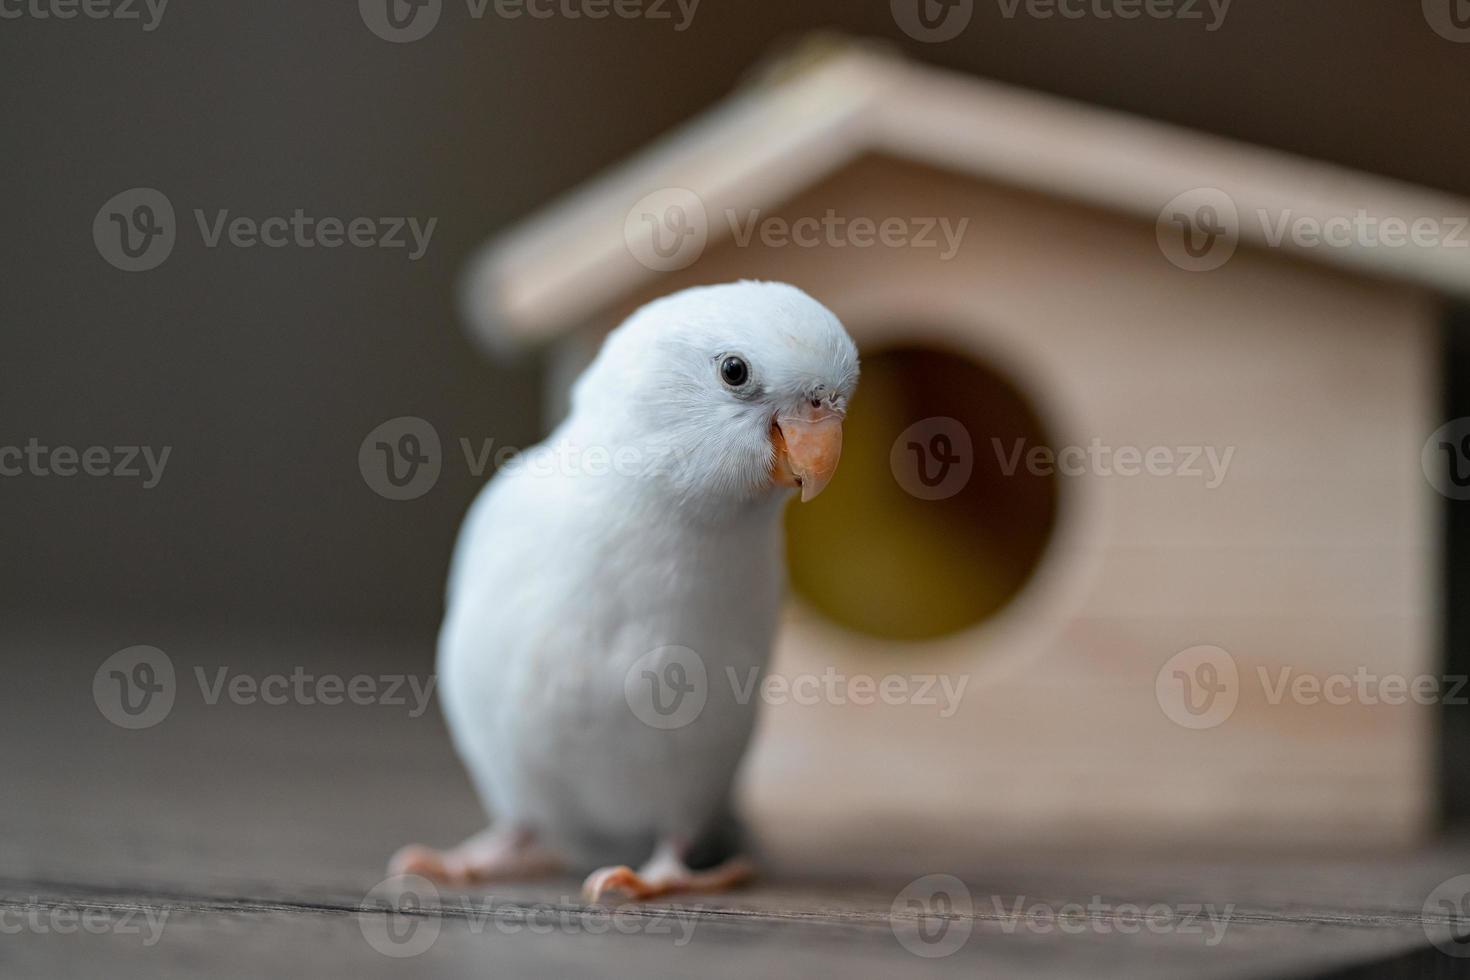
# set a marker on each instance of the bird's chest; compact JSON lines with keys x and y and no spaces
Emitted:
{"x":611,"y":684}
{"x":618,"y":643}
{"x":634,"y":647}
{"x":634,"y":703}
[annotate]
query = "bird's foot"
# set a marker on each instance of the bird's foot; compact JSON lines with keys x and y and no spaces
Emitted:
{"x":497,"y":854}
{"x":665,"y":874}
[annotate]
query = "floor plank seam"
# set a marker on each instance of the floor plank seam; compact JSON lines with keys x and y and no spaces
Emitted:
{"x":46,"y":894}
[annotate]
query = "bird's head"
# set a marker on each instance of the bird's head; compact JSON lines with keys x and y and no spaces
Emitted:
{"x":739,"y":389}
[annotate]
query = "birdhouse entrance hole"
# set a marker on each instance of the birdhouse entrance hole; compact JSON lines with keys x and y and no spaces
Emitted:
{"x":934,"y":521}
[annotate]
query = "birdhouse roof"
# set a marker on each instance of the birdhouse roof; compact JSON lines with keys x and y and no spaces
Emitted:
{"x":811,"y":116}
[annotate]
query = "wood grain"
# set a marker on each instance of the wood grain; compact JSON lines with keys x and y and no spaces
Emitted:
{"x":256,"y":834}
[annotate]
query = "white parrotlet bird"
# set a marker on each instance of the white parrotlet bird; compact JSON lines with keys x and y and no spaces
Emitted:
{"x":639,"y":544}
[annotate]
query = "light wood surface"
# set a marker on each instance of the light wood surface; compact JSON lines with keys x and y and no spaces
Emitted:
{"x":1315,"y":554}
{"x":254,"y":833}
{"x":567,"y":263}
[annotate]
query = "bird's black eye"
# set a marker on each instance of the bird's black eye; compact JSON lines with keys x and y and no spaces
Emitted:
{"x":734,"y":371}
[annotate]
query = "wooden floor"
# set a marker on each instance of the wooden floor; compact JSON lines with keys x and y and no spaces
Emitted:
{"x":247,"y":840}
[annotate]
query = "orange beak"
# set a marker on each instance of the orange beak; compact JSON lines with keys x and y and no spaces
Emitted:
{"x":807,"y":447}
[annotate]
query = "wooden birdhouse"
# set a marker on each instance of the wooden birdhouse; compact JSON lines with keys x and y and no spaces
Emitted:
{"x":1131,"y":537}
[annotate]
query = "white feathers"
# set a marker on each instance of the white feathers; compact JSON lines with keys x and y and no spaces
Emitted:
{"x":566,"y":573}
{"x":654,"y":389}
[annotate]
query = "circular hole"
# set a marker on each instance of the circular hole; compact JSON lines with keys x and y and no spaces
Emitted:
{"x":878,"y":558}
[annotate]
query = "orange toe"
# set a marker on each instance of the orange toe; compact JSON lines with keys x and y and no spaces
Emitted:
{"x":616,"y":880}
{"x":416,"y":859}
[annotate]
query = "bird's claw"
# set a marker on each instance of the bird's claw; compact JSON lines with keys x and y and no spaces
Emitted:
{"x":498,"y":854}
{"x":664,"y":877}
{"x":618,"y":880}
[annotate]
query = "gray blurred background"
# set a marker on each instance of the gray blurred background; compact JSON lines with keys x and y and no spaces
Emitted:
{"x":263,"y":369}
